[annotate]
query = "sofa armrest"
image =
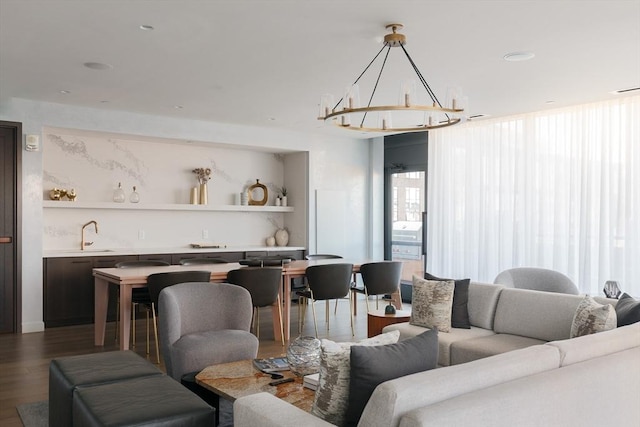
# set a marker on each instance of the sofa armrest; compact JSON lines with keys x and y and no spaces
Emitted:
{"x":266,"y":410}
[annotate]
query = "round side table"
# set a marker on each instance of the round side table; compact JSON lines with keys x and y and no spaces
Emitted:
{"x":376,"y":320}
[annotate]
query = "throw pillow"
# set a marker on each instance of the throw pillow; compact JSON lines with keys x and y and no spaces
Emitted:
{"x":331,"y":398}
{"x":592,"y":317}
{"x":431,"y":303}
{"x":627,"y":310}
{"x":371,"y":366}
{"x":460,"y":310}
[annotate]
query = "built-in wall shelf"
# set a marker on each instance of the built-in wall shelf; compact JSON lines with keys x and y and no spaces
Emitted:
{"x":162,"y":207}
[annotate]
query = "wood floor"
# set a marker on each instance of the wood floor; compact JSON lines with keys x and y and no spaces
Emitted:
{"x":24,"y":359}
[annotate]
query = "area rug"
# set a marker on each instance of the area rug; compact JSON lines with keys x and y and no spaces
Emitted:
{"x":36,"y":414}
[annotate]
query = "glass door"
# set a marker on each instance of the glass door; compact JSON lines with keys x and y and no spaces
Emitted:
{"x":408,"y":202}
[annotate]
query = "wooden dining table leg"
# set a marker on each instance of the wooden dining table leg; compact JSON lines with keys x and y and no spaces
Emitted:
{"x":125,"y":317}
{"x":101,"y":302}
{"x":286,"y":314}
{"x":276,"y":311}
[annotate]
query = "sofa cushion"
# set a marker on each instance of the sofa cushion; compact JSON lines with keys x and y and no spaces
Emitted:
{"x":591,"y":317}
{"x":627,"y":310}
{"x":459,"y":310}
{"x":373,"y":365}
{"x":393,"y":399}
{"x":431,"y":303}
{"x":468,"y":350}
{"x":595,"y":345}
{"x":331,"y":398}
{"x":483,"y":299}
{"x":408,"y":330}
{"x":542,"y":315}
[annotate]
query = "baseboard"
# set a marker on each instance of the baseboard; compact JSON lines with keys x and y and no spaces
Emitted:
{"x":29,"y":327}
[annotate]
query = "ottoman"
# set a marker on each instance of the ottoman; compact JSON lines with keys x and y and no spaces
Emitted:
{"x":66,"y":373}
{"x":155,"y":400}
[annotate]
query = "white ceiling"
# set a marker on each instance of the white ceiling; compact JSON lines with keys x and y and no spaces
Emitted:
{"x":266,"y":63}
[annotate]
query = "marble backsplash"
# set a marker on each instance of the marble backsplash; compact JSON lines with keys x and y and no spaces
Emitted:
{"x":93,"y":164}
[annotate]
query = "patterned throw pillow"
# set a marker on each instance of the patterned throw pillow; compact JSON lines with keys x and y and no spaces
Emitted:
{"x":431,"y":303}
{"x":592,"y":317}
{"x":332,"y":396}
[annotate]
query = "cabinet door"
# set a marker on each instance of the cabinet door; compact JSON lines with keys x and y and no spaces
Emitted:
{"x":68,"y":291}
{"x":155,"y":257}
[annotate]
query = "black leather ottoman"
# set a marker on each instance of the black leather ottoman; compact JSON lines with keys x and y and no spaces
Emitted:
{"x":66,"y":373}
{"x":156,"y":400}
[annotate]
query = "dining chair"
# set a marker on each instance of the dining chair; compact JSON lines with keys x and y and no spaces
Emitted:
{"x":155,"y":284}
{"x":136,"y":293}
{"x":378,"y":278}
{"x":201,"y":261}
{"x":312,"y":257}
{"x":326,"y":282}
{"x":263,"y":283}
{"x":203,"y":324}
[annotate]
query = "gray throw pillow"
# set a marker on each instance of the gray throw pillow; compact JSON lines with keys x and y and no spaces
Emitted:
{"x":591,"y":317}
{"x":627,"y":310}
{"x":460,"y":309}
{"x":371,"y":366}
{"x":431,"y":303}
{"x":331,"y":397}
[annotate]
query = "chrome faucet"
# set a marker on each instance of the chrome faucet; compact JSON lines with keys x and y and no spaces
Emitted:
{"x":83,"y":243}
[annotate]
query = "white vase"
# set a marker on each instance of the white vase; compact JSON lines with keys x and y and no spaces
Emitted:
{"x":271,"y":241}
{"x":282,"y":237}
{"x":283,"y":200}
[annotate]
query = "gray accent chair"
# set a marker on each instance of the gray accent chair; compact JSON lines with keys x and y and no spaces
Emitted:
{"x":379,"y":278}
{"x":203,"y":324}
{"x":538,"y":279}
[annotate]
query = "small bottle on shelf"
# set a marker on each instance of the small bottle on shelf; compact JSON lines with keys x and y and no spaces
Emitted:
{"x":135,"y":197}
{"x":118,"y":194}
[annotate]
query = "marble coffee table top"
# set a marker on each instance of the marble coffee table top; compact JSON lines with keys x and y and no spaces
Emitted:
{"x":237,"y":379}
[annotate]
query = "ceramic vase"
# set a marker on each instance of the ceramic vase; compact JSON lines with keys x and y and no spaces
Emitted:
{"x":271,"y":241}
{"x":203,"y":194}
{"x":282,"y":237}
{"x":283,"y":200}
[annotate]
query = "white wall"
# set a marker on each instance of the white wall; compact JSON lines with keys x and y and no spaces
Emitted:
{"x":333,"y":163}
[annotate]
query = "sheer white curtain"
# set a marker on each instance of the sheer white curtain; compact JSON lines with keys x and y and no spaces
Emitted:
{"x":557,"y":189}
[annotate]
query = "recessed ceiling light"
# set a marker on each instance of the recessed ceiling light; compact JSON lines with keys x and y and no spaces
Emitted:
{"x":104,"y":101}
{"x":65,"y":92}
{"x":478,"y":116}
{"x":178,"y":107}
{"x":550,"y":102}
{"x":146,"y":27}
{"x":519,"y":56}
{"x":98,"y":66}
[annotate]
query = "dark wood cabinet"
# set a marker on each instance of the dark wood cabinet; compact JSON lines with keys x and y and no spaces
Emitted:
{"x":69,"y":289}
{"x":229,"y":256}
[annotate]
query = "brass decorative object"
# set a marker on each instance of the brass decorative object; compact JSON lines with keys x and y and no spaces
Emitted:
{"x":410,"y":114}
{"x":265,"y":194}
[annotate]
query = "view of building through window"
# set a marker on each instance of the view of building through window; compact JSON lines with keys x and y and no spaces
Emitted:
{"x":408,"y":189}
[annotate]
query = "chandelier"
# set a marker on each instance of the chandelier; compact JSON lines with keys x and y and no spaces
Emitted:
{"x":414,"y":110}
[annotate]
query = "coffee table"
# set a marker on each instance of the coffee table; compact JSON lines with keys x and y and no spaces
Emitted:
{"x":237,"y":379}
{"x":377,"y":319}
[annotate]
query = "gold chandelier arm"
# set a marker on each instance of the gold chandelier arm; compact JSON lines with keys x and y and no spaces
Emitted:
{"x":392,"y":108}
{"x":450,"y":122}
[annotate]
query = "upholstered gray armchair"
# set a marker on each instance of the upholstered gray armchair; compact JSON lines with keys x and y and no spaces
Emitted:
{"x":538,"y":279}
{"x":203,"y":324}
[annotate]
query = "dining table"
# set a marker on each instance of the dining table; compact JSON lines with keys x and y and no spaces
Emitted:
{"x":128,"y":278}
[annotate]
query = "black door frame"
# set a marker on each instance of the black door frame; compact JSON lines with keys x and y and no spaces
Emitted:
{"x":16,"y":129}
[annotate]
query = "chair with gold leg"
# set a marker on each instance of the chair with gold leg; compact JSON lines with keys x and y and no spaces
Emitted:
{"x":379,"y":278}
{"x":263,"y":283}
{"x":327,"y":282}
{"x":134,"y":291}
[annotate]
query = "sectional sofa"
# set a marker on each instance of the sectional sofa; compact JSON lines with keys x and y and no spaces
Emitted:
{"x":515,"y":366}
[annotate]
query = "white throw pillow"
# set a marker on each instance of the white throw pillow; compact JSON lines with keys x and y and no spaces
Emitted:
{"x":431,"y":303}
{"x":332,"y":396}
{"x":592,"y":317}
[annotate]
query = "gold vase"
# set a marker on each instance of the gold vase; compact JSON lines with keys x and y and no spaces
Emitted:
{"x":203,"y":194}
